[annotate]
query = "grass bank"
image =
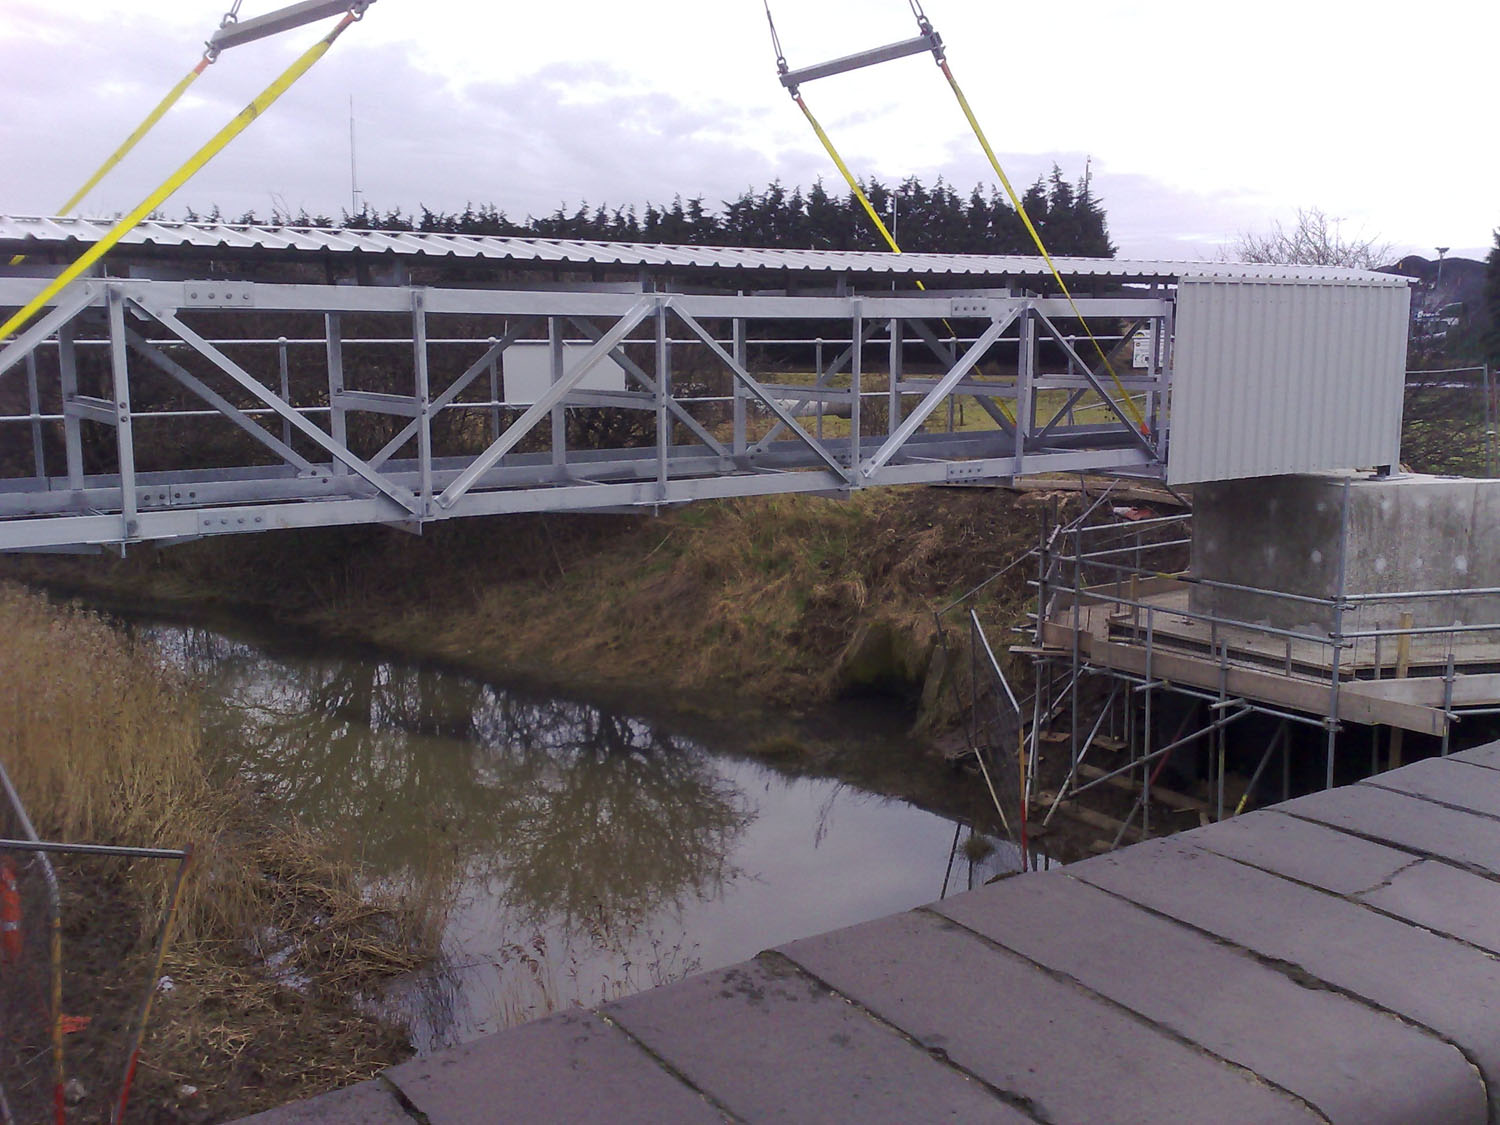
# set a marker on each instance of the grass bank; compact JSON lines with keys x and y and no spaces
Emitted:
{"x":786,"y":601}
{"x":102,"y":743}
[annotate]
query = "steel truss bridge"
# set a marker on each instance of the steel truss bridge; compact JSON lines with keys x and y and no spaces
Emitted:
{"x":167,"y":410}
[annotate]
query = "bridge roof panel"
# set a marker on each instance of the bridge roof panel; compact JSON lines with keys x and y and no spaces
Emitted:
{"x":35,"y":234}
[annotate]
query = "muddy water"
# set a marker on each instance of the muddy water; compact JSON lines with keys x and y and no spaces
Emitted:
{"x":572,"y":854}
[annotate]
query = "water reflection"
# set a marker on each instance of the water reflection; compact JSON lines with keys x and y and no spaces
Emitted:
{"x":570,"y":812}
{"x":579,"y":854}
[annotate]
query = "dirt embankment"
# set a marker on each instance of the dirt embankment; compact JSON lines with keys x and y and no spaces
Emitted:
{"x":717,"y":607}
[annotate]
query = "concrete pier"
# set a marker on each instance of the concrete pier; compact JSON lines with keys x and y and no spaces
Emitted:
{"x":1335,"y":958}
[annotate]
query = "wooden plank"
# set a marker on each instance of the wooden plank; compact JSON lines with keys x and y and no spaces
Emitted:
{"x":1427,"y":691}
{"x":1093,"y":818}
{"x":1307,"y":696}
{"x":1169,"y":797}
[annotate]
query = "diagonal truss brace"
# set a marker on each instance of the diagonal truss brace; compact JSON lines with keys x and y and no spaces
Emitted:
{"x":935,"y":396}
{"x":1077,"y":395}
{"x":945,"y":354}
{"x":676,"y":408}
{"x":458,"y":386}
{"x":784,"y":415}
{"x":820,"y":383}
{"x":402,"y":496}
{"x":190,"y":381}
{"x":25,"y":344}
{"x":554,"y":396}
{"x":1139,"y":438}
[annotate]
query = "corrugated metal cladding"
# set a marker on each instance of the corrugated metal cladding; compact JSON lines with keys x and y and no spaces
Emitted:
{"x":31,"y":234}
{"x":1274,"y":377}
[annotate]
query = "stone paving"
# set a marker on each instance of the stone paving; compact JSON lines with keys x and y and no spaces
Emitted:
{"x":1335,"y":958}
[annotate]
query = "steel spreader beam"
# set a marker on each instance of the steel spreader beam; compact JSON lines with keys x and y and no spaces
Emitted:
{"x":791,"y":79}
{"x":240,"y":32}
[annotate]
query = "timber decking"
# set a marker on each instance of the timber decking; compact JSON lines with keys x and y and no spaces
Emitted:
{"x":1330,"y":959}
{"x":1286,"y":672}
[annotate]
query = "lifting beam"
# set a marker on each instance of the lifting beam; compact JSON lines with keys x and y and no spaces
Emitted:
{"x":235,"y":33}
{"x":928,"y":41}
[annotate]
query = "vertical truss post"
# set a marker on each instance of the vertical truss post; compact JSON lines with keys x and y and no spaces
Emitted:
{"x":286,"y":386}
{"x":740,"y":357}
{"x":663,"y":390}
{"x":119,"y":361}
{"x":337,"y":423}
{"x":856,"y":378}
{"x":67,"y":363}
{"x":893,"y":401}
{"x":494,"y":393}
{"x":423,"y":392}
{"x":34,"y":407}
{"x":1167,"y":327}
{"x":818,"y":380}
{"x":1025,"y":372}
{"x":954,"y":336}
{"x":558,"y":412}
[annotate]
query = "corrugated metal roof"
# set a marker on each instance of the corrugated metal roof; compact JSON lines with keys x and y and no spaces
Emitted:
{"x":29,"y":234}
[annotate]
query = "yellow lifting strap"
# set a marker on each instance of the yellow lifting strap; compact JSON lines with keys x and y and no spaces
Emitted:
{"x":173,"y":95}
{"x":195,"y":163}
{"x":838,"y":162}
{"x":1015,"y":201}
{"x":864,"y":200}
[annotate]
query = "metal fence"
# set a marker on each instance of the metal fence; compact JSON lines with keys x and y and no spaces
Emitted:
{"x":49,"y":1015}
{"x":31,"y":1036}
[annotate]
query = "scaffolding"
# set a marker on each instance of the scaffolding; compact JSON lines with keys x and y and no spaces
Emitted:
{"x":1126,"y":669}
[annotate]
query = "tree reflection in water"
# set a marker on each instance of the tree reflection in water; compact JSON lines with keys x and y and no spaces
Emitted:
{"x":570,"y":820}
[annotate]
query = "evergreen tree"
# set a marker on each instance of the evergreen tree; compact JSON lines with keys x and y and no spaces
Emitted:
{"x":939,"y":219}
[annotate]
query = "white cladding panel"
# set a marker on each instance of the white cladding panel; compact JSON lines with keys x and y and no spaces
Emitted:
{"x":1273,"y":377}
{"x":527,"y":369}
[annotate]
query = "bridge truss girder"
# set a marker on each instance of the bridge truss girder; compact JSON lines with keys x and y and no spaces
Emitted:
{"x":107,"y":459}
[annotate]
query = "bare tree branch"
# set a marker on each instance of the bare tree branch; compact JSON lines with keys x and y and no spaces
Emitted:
{"x":1315,"y":240}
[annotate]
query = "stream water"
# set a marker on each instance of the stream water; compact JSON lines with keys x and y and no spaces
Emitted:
{"x":575,"y":854}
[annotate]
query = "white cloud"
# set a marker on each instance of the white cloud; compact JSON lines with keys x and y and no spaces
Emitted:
{"x":1202,"y":120}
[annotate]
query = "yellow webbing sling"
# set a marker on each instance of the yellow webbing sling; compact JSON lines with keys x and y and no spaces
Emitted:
{"x":1128,"y":403}
{"x":173,"y":96}
{"x":194,"y":164}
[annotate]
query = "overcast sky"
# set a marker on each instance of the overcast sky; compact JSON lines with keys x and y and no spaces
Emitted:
{"x":1203,"y":119}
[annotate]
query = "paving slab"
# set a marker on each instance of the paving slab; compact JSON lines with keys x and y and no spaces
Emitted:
{"x":572,"y":1067}
{"x":1301,"y":850}
{"x":1369,"y":1067}
{"x":1442,"y":779}
{"x":1446,"y":899}
{"x":1417,"y":825}
{"x":771,"y":1044}
{"x":1072,"y":1056}
{"x":368,"y":1103}
{"x":1439,"y":983}
{"x":1487,"y":755}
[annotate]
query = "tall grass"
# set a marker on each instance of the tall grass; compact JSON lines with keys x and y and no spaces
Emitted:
{"x":102,"y":741}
